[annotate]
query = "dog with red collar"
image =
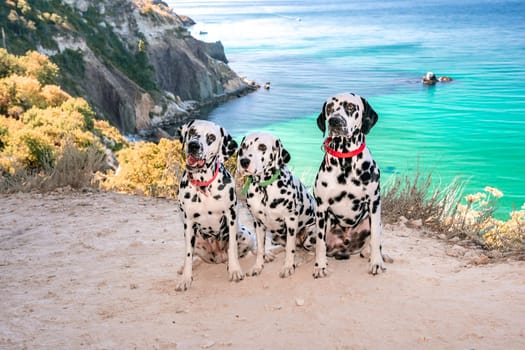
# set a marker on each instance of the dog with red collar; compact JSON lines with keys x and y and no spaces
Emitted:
{"x":347,"y":187}
{"x":208,"y":202}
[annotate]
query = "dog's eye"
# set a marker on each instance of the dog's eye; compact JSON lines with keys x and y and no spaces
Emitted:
{"x":191,"y":132}
{"x":210,"y":138}
{"x":350,"y":108}
{"x":244,"y":146}
{"x":262,"y":148}
{"x":329,"y":108}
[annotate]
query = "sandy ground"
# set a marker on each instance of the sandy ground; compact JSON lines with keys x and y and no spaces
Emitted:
{"x":98,"y":271}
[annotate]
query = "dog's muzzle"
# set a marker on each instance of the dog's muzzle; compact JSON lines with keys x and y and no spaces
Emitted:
{"x":244,"y":166}
{"x":337,"y":125}
{"x":193,"y":159}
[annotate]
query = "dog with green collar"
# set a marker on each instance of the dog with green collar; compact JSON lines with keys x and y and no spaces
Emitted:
{"x":279,"y":203}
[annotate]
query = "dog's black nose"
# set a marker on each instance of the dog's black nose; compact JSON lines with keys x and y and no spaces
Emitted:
{"x":245,"y":162}
{"x":194,"y":147}
{"x":335,"y":122}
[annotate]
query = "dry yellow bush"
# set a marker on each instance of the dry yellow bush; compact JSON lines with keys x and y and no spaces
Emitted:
{"x":148,"y":168}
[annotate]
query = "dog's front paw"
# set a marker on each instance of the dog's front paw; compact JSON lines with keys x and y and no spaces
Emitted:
{"x":255,"y":270}
{"x":184,"y":284}
{"x":320,"y":269}
{"x":287,"y":271}
{"x":376,"y":265}
{"x":236,"y":275}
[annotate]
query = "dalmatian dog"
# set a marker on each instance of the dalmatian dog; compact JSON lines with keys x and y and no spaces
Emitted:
{"x":347,"y":188}
{"x":208,"y":201}
{"x":277,"y":200}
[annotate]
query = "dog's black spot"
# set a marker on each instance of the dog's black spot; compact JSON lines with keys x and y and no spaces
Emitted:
{"x":232,"y":194}
{"x":224,"y":224}
{"x":217,"y":197}
{"x":196,"y":215}
{"x":276,"y":202}
{"x":365,"y":177}
{"x":340,"y":196}
{"x":187,"y":195}
{"x":349,"y":222}
{"x":376,"y":204}
{"x":341,"y":179}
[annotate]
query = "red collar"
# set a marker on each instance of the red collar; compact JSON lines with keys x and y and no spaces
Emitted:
{"x":337,"y":154}
{"x":206,"y":183}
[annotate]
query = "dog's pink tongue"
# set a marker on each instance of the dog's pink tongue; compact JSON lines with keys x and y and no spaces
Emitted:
{"x":195,"y":162}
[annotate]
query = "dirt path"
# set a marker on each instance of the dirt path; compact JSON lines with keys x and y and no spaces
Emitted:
{"x":98,"y":271}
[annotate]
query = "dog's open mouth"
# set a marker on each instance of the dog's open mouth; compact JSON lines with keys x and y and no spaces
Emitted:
{"x":195,"y":162}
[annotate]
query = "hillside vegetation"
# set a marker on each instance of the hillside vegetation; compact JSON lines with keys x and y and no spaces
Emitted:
{"x":41,"y":127}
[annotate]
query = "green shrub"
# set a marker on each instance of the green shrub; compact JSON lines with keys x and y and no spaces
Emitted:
{"x":33,"y":149}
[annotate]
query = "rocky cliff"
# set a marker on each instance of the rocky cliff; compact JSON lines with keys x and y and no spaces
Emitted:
{"x":133,"y":60}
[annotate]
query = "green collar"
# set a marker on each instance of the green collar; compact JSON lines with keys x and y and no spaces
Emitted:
{"x":268,"y":182}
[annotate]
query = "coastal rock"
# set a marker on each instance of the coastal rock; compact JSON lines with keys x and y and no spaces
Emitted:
{"x":182,"y":67}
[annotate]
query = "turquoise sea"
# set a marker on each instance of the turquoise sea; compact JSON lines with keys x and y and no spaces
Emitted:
{"x":472,"y":128}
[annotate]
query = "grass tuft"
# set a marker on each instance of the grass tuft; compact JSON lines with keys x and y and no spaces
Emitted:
{"x":445,"y":210}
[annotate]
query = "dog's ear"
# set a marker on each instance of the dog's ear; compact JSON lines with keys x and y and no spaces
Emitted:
{"x":321,"y":120}
{"x":239,"y":147}
{"x":182,"y":131}
{"x":369,"y":117}
{"x":229,"y":145}
{"x":283,"y":155}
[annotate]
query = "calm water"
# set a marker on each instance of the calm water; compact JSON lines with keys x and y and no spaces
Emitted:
{"x":472,"y":128}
